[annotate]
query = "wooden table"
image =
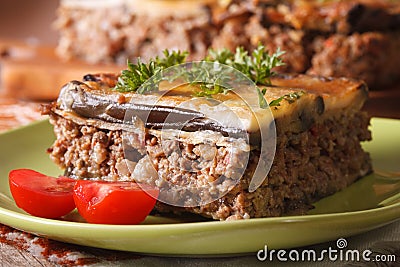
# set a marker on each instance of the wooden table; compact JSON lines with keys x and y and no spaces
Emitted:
{"x":22,"y":249}
{"x":385,"y":103}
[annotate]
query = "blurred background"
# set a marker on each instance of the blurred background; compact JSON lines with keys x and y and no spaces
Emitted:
{"x":31,"y":70}
{"x":28,"y":20}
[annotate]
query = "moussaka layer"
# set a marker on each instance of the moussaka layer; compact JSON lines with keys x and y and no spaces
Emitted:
{"x":318,"y":143}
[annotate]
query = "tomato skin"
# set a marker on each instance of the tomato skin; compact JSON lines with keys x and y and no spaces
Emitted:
{"x":114,"y":202}
{"x":41,"y":195}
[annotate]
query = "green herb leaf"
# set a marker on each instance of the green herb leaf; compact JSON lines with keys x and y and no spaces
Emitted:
{"x":171,"y":58}
{"x":221,"y":56}
{"x":211,"y":81}
{"x":261,"y":99}
{"x":257,"y":66}
{"x":138,"y":74}
{"x":291,"y":97}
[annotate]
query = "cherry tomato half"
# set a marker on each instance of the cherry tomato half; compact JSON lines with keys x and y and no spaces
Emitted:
{"x":114,"y":202}
{"x":41,"y":195}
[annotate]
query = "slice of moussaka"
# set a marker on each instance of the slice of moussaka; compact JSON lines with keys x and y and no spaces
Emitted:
{"x":204,"y":153}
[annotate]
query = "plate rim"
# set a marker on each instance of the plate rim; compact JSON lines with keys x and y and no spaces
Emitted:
{"x":382,"y":216}
{"x":284,"y":219}
{"x":364,"y":220}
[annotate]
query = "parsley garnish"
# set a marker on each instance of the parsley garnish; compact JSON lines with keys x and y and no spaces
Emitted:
{"x":132,"y":79}
{"x":171,"y":58}
{"x":210,"y":81}
{"x":291,"y":97}
{"x":257,"y":66}
{"x":136,"y":75}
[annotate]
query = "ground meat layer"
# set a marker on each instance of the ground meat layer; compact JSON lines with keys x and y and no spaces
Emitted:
{"x":307,"y":166}
{"x":184,"y":171}
{"x":357,"y":39}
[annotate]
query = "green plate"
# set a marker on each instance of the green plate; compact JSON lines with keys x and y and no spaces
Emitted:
{"x":369,"y":203}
